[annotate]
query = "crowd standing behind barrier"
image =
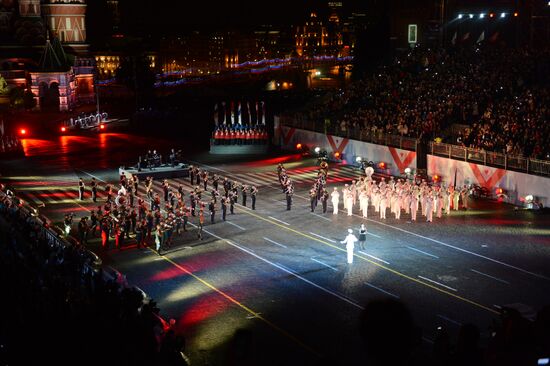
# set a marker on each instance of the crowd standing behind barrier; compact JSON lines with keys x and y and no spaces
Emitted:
{"x":239,"y":135}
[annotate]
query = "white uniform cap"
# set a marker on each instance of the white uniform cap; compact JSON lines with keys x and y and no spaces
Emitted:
{"x":350,"y":231}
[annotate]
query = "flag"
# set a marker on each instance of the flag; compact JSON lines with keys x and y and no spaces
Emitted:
{"x":454,"y":185}
{"x":239,"y":115}
{"x":453,"y":40}
{"x":2,"y":128}
{"x":494,"y":37}
{"x":481,"y":37}
{"x":224,"y":112}
{"x":216,"y":115}
{"x":249,"y":112}
{"x":232,"y":113}
{"x":257,"y":114}
{"x":466,"y":36}
{"x":263,"y":112}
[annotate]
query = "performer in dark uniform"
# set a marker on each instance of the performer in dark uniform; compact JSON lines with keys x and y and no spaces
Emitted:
{"x":93,"y":184}
{"x":253,"y":193}
{"x":215,"y":181}
{"x":212,"y":208}
{"x":80,"y":189}
{"x":172,"y":158}
{"x":324,"y":200}
{"x":191,"y":173}
{"x":232,"y":199}
{"x":244,"y":187}
{"x":288,"y":192}
{"x":224,"y":207}
{"x":313,"y":199}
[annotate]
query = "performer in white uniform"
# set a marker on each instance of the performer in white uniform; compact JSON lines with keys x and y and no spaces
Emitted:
{"x":350,"y":245}
{"x":335,"y":199}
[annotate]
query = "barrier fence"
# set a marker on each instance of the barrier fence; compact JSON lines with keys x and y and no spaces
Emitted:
{"x":489,"y":158}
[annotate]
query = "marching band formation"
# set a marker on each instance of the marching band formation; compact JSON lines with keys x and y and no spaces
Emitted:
{"x":155,"y":217}
{"x":159,"y":217}
{"x":225,"y":135}
{"x":397,"y":195}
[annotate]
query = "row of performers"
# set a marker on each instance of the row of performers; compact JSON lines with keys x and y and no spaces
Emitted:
{"x":233,"y":136}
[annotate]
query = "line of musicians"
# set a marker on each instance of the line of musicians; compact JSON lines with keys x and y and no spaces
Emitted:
{"x":237,"y":136}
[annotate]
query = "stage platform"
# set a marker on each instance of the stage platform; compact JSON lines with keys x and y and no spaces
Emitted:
{"x":259,"y":149}
{"x":163,"y":172}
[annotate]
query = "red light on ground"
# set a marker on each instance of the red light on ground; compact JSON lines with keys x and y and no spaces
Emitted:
{"x":336,"y":154}
{"x":63,"y":129}
{"x":382,"y":165}
{"x":102,"y":127}
{"x":23,"y":131}
{"x":298,"y":146}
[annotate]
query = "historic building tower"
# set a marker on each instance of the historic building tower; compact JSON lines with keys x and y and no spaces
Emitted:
{"x":66,"y":20}
{"x":29,"y":8}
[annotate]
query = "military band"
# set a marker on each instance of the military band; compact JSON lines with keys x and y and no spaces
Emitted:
{"x":163,"y":213}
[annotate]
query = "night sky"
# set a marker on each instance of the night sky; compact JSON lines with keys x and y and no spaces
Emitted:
{"x":176,"y":15}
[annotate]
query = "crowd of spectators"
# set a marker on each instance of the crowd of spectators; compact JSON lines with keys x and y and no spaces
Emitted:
{"x":499,"y":93}
{"x":392,"y":338}
{"x":57,"y":308}
{"x":10,"y":145}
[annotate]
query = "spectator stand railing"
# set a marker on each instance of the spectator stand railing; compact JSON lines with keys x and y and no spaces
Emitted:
{"x":489,"y":158}
{"x":379,"y":138}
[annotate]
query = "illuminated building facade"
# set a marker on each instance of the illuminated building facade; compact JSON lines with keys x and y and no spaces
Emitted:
{"x":312,"y":38}
{"x":203,"y":53}
{"x":108,"y":62}
{"x":58,"y":72}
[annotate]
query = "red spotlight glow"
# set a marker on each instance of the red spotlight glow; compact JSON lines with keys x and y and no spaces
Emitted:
{"x":436,"y":178}
{"x":63,"y":129}
{"x":382,"y":165}
{"x":516,"y":14}
{"x":298,"y":146}
{"x":23,"y":131}
{"x":499,"y":191}
{"x":337,"y":155}
{"x":491,"y":15}
{"x":102,"y":127}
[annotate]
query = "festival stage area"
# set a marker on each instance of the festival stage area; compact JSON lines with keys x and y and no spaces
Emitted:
{"x":283,"y":276}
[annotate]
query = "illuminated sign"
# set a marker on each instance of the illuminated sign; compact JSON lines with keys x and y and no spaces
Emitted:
{"x":412,"y":34}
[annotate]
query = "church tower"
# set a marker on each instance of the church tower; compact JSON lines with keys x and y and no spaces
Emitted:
{"x":66,"y":20}
{"x":29,"y":8}
{"x":113,"y":7}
